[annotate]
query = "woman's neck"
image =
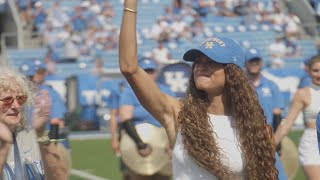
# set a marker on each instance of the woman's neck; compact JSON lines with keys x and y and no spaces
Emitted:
{"x":217,"y":106}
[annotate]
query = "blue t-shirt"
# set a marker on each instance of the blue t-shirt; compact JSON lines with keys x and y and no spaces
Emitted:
{"x":318,"y":130}
{"x":58,"y":107}
{"x":140,"y":114}
{"x":40,"y":18}
{"x":114,"y":99}
{"x":270,"y":98}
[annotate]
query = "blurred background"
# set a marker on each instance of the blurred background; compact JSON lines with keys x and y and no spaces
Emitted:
{"x":77,"y":40}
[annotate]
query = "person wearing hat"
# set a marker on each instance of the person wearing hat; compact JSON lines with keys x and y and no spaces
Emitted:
{"x":306,"y":100}
{"x":218,"y":130}
{"x":115,"y":127}
{"x":132,"y":114}
{"x":268,"y":92}
{"x":36,"y":71}
{"x":269,"y":96}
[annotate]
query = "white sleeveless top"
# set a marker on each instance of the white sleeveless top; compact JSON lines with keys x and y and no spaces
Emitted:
{"x":185,"y":168}
{"x":311,"y":111}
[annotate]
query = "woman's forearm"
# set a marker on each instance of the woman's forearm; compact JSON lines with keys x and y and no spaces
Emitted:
{"x":281,"y":132}
{"x":128,"y":39}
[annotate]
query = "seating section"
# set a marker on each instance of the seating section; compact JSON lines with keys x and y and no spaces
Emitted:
{"x":259,"y":36}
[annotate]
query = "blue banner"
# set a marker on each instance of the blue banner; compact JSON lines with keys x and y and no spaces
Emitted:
{"x":176,"y":77}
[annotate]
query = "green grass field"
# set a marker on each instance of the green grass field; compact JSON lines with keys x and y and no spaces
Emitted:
{"x":96,"y":157}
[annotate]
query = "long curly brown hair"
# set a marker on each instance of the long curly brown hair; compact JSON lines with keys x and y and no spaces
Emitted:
{"x":250,"y":122}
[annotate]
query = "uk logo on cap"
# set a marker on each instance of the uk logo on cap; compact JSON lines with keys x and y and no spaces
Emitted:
{"x":219,"y":49}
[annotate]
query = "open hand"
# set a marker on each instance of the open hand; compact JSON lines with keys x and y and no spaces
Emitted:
{"x":41,"y":111}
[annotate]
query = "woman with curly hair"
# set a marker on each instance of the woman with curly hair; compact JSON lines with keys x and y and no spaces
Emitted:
{"x":26,"y":151}
{"x":219,"y":130}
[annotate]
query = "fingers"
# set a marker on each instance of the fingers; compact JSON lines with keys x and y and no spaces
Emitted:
{"x":146,"y":151}
{"x":41,"y":110}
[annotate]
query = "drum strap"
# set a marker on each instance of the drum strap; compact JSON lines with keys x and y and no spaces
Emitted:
{"x":132,"y":132}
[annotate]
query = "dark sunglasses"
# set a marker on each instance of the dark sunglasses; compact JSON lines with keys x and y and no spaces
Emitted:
{"x":7,"y":102}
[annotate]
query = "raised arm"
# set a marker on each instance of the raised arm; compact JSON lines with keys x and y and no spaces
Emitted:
{"x":163,"y":107}
{"x":54,"y":157}
{"x":296,"y":106}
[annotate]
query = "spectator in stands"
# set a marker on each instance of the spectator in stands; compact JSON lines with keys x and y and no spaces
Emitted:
{"x":220,"y":105}
{"x":177,"y":26}
{"x":188,"y":13}
{"x":24,"y":8}
{"x":277,"y":18}
{"x":49,"y":35}
{"x":292,"y":26}
{"x":307,"y":101}
{"x":177,"y":6}
{"x":94,"y":7}
{"x":223,"y":10}
{"x":269,"y":96}
{"x":77,"y":20}
{"x":39,"y":16}
{"x":202,"y":6}
{"x":197,"y":28}
{"x":160,"y":54}
{"x":240,"y":9}
{"x":57,"y":15}
{"x":278,"y":49}
{"x":41,"y":159}
{"x":186,"y":35}
{"x":293,"y":50}
{"x":72,"y":48}
{"x":168,"y":14}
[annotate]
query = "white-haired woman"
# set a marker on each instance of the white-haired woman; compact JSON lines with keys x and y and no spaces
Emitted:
{"x":26,"y":153}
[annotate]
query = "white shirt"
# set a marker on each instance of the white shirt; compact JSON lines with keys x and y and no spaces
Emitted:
{"x":185,"y":168}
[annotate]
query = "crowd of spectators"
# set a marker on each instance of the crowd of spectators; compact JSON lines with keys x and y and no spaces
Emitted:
{"x":90,"y":27}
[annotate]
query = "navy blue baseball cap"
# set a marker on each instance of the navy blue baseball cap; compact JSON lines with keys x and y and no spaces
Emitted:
{"x":253,"y":53}
{"x":219,"y":49}
{"x":147,"y":64}
{"x":30,"y":67}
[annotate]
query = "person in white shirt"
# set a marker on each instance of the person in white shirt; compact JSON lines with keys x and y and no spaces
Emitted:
{"x":218,"y":131}
{"x":26,"y":152}
{"x":160,"y":54}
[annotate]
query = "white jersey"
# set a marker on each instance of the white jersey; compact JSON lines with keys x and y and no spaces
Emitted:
{"x":30,"y":157}
{"x":185,"y":168}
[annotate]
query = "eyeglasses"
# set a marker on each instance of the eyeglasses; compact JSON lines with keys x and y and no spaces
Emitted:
{"x":7,"y":102}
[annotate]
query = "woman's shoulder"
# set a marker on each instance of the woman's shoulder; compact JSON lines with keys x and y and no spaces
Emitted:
{"x":302,"y":92}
